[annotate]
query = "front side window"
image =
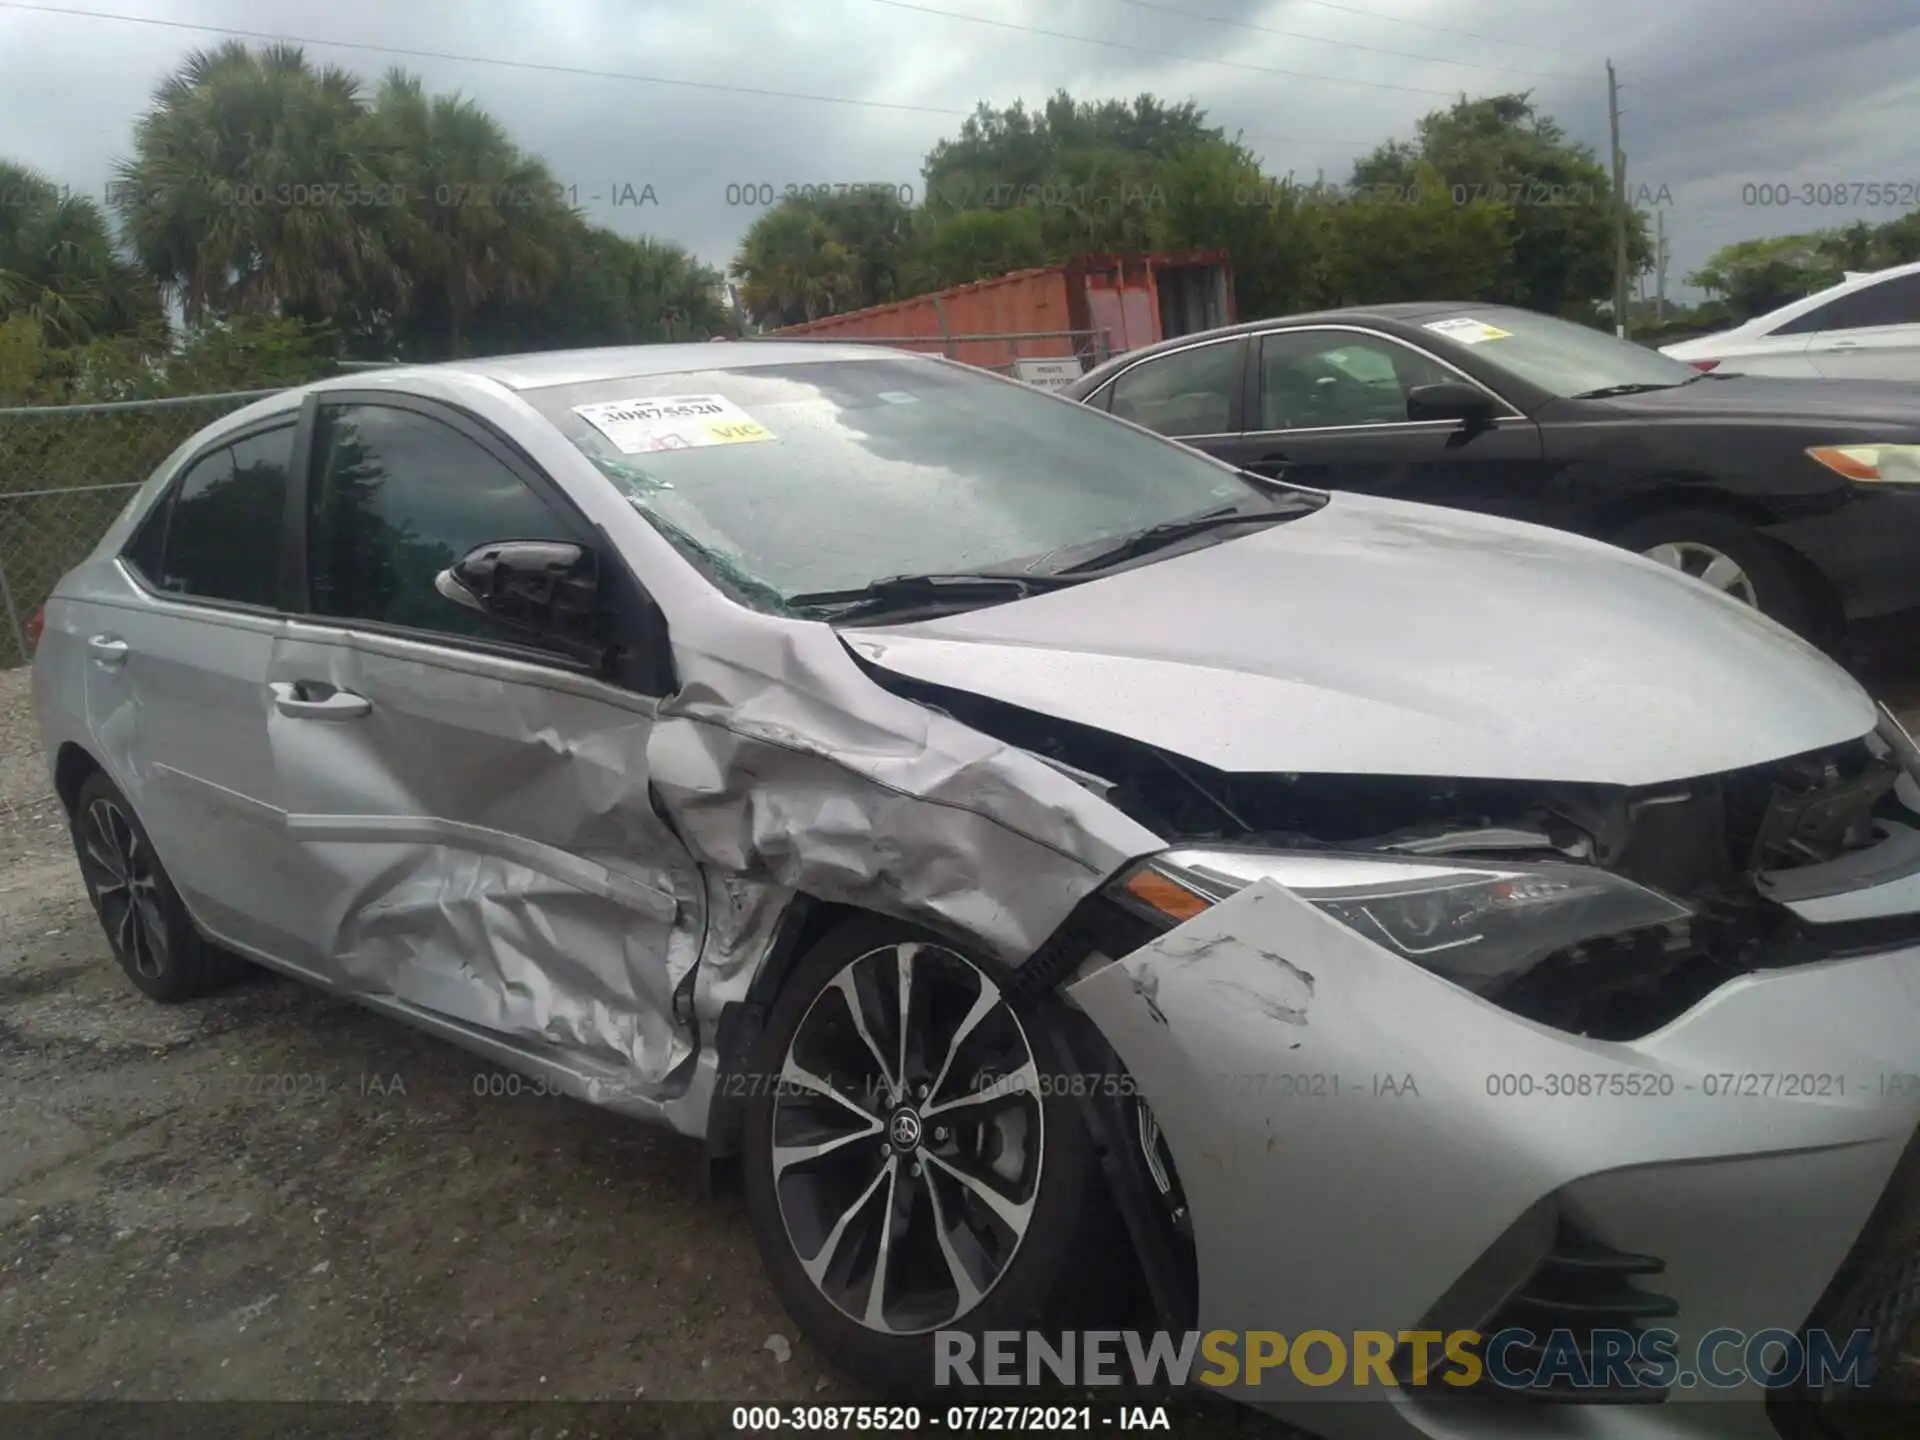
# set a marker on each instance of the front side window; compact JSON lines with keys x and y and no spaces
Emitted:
{"x":396,"y":498}
{"x":1317,"y":379}
{"x":813,"y":475}
{"x":1189,"y":392}
{"x":216,"y":534}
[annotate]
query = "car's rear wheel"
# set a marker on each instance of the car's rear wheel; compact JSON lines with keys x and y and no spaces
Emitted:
{"x":147,"y":926}
{"x":910,"y":1165}
{"x":1727,"y":553}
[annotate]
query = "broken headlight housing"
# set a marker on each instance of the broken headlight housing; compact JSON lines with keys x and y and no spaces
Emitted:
{"x":1478,"y":925}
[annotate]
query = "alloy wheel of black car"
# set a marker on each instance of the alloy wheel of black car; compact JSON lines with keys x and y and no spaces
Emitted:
{"x":1727,"y":553}
{"x":907,"y":1168}
{"x":145,"y":923}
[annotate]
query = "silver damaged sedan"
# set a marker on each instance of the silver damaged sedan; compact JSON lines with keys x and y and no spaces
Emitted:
{"x":1065,"y":873}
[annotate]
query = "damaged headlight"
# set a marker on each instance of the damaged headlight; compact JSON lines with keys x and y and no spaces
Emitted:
{"x":1478,"y":925}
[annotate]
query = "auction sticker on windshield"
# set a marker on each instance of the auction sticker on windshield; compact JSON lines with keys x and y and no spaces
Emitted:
{"x":1468,"y":331}
{"x":672,"y":422}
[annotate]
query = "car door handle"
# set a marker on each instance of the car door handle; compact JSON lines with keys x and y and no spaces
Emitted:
{"x":1843,"y":345}
{"x":109,"y":651}
{"x":291,"y":700}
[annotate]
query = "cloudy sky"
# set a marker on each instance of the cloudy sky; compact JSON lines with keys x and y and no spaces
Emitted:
{"x":692,"y":96}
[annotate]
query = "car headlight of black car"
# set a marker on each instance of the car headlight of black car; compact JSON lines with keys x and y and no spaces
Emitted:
{"x":1478,"y":925}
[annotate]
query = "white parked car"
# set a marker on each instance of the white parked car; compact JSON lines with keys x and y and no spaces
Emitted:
{"x":1865,"y":328}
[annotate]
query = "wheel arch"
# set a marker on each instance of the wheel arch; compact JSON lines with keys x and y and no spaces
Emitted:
{"x":1070,"y":1042}
{"x":1679,"y":494}
{"x":72,"y":764}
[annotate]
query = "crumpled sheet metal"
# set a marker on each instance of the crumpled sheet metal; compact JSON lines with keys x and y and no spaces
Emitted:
{"x":486,"y":849}
{"x":785,"y":763}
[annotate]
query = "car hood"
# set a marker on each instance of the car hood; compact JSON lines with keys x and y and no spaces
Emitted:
{"x":1373,"y":637}
{"x":1894,"y":404}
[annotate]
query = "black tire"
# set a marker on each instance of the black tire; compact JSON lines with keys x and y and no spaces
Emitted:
{"x":145,"y":923}
{"x":1065,"y":1268}
{"x":1781,"y":590}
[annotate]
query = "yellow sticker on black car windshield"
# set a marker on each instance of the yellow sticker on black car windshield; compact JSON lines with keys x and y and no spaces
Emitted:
{"x":1468,"y":331}
{"x":672,"y":422}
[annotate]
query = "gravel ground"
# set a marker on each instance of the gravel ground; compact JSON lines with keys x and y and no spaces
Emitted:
{"x":273,"y":1195}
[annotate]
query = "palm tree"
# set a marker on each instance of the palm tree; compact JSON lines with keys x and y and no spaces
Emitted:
{"x":792,"y":269}
{"x":243,"y":189}
{"x":483,"y":220}
{"x":57,"y":263}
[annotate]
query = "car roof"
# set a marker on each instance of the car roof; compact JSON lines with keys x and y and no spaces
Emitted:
{"x":583,"y":367}
{"x":1401,"y":312}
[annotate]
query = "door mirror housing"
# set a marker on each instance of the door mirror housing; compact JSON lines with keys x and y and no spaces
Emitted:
{"x":546,"y":590}
{"x":1450,"y":400}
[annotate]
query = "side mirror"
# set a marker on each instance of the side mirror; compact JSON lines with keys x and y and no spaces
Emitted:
{"x":545,"y":589}
{"x":1449,"y":400}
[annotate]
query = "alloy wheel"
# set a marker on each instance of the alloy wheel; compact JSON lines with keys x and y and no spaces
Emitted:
{"x":119,"y":873}
{"x":907,"y":1138}
{"x":1703,"y":562}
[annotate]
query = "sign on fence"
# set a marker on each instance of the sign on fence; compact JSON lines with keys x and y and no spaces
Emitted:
{"x":1047,"y":374}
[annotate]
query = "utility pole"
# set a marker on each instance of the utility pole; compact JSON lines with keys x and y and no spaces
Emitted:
{"x":1619,"y":207}
{"x":1660,"y":263}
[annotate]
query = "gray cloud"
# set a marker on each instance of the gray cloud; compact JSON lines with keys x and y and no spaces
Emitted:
{"x":1720,"y":94}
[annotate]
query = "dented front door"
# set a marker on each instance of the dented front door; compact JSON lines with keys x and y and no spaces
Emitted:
{"x":475,"y":817}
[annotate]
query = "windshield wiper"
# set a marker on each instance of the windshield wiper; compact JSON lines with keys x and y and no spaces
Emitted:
{"x":960,"y":590}
{"x":1638,"y":387}
{"x":1168,"y":532}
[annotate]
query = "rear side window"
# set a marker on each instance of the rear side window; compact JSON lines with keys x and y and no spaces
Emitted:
{"x":1891,"y":302}
{"x":1189,"y":392}
{"x":216,"y":533}
{"x":397,"y":497}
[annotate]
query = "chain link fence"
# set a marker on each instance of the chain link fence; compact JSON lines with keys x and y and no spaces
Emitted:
{"x":65,"y":473}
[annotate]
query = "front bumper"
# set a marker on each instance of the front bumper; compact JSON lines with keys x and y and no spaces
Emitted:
{"x":1349,"y":1144}
{"x":1866,"y":549}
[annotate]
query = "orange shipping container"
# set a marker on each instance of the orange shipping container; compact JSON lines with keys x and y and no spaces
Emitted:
{"x":1089,"y":308}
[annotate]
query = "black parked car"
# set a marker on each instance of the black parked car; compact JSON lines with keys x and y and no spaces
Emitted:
{"x":1799,"y":496}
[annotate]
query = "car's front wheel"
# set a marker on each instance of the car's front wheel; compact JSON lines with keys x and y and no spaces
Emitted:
{"x":146,"y":923}
{"x":910,"y":1165}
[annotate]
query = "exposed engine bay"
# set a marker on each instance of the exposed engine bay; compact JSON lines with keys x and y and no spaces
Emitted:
{"x":1713,"y":843}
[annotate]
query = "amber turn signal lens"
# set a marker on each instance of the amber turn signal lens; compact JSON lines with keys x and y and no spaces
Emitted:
{"x":1170,"y":898}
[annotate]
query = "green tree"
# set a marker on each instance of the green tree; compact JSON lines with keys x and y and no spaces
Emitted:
{"x":1003,"y":152}
{"x":1379,"y":247}
{"x":958,"y":247}
{"x":791,"y":268}
{"x":1217,"y":196}
{"x":1559,"y":196}
{"x":58,"y":267}
{"x":1755,"y":276}
{"x":472,"y":217}
{"x":607,"y":290}
{"x":237,"y":196}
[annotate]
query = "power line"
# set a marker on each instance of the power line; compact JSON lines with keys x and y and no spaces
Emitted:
{"x":572,"y":70}
{"x":1162,"y":54}
{"x":1324,"y":40}
{"x":1441,"y":29}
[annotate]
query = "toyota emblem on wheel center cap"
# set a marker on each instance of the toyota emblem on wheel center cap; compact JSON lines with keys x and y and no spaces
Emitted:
{"x":903,"y":1130}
